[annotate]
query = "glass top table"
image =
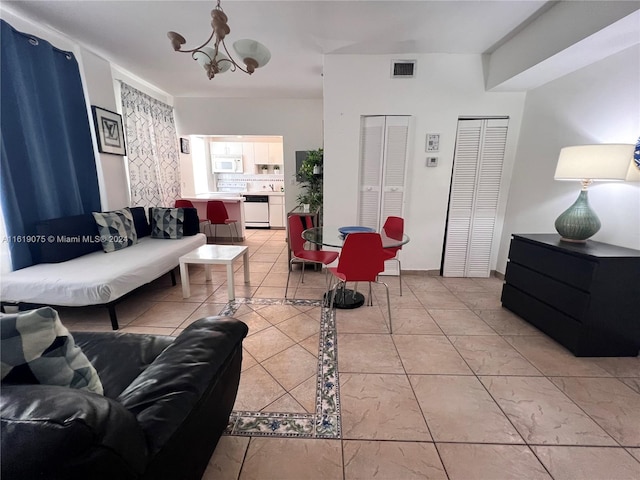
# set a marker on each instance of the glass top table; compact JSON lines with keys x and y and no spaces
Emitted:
{"x":330,"y":236}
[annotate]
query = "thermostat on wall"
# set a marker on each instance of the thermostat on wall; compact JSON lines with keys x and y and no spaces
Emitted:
{"x":432,"y":161}
{"x":433,"y":142}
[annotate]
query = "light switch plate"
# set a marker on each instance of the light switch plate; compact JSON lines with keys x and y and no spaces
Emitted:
{"x":432,"y":161}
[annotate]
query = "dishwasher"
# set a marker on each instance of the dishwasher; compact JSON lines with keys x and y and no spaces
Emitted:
{"x":256,"y":211}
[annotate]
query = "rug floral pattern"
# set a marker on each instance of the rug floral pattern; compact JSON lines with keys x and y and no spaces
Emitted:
{"x":325,"y":422}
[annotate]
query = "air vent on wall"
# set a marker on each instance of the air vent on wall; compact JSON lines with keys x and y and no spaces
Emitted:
{"x":403,"y":68}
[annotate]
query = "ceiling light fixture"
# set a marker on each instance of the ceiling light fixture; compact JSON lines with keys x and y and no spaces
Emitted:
{"x":214,"y":60}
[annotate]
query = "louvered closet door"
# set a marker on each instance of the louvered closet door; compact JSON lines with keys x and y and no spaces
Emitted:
{"x":473,"y":205}
{"x":383,"y":158}
{"x":371,"y":160}
{"x":383,"y":155}
{"x":396,"y":136}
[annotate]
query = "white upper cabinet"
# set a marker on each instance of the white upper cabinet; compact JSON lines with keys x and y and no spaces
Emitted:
{"x":226,"y":148}
{"x":261,"y":151}
{"x":276,"y":153}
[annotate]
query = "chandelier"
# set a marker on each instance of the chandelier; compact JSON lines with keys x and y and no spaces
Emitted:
{"x":217,"y":59}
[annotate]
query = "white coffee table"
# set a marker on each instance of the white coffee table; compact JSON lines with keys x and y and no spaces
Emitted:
{"x":208,"y":255}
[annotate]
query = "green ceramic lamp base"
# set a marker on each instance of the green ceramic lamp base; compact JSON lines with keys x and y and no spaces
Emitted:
{"x":579,"y":222}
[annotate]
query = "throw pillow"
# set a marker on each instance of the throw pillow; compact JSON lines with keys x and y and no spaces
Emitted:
{"x":167,"y":222}
{"x":38,"y":349}
{"x":64,"y":238}
{"x":116,"y":229}
{"x":191,"y":221}
{"x":143,"y":229}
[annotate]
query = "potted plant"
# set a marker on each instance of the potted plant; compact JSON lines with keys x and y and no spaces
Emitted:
{"x":311,"y":180}
{"x":276,"y":169}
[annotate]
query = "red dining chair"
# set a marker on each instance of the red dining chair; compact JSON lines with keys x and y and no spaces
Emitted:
{"x":394,"y":228}
{"x":180,"y":203}
{"x":296,"y":244}
{"x":361,"y":260}
{"x":217,"y":215}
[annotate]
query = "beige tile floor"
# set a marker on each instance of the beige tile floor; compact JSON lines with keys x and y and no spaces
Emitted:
{"x":463,"y":389}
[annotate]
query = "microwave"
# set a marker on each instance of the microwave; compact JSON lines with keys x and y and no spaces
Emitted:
{"x":226,"y":163}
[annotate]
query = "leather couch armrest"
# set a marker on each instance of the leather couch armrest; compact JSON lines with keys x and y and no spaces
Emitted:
{"x":120,"y":357}
{"x":56,"y":432}
{"x":164,"y":394}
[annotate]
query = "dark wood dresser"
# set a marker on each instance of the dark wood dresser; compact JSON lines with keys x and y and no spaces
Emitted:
{"x":585,"y":296}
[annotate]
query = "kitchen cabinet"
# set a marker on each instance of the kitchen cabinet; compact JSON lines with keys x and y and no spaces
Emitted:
{"x":276,"y":211}
{"x":261,"y":152}
{"x":276,"y":153}
{"x":585,"y":296}
{"x":268,"y":153}
{"x":226,"y":148}
{"x":248,"y":158}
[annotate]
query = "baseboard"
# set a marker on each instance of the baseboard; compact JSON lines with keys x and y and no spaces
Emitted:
{"x":428,"y":273}
{"x":436,"y":273}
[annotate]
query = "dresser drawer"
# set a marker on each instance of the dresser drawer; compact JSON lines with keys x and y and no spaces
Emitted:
{"x":558,"y":265}
{"x":582,"y":340}
{"x":557,"y":325}
{"x":566,"y":299}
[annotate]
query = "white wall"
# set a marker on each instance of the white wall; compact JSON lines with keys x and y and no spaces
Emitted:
{"x":597,"y":104}
{"x":112,"y":171}
{"x":299,"y":122}
{"x":445,"y":88}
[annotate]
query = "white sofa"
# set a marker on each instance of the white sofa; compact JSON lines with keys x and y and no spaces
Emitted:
{"x":97,"y":278}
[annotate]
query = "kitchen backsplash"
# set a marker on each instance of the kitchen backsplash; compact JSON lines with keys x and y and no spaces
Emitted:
{"x":234,"y":182}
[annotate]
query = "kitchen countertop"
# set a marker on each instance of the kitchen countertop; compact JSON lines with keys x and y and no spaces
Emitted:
{"x":224,"y":196}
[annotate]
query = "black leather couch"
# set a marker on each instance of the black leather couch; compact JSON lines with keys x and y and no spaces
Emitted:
{"x":166,"y":403}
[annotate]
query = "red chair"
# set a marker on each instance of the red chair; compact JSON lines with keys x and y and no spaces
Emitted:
{"x":361,"y":260}
{"x":394,"y":228}
{"x":217,"y":215}
{"x":183,"y":204}
{"x":296,"y":244}
{"x":180,"y":203}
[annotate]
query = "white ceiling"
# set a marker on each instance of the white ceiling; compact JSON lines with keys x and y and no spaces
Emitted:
{"x":132,"y":34}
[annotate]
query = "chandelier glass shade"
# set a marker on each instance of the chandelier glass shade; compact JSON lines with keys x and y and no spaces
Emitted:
{"x":215,"y":58}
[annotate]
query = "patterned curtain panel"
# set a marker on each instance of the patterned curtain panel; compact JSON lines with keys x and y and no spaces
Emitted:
{"x":46,"y":154}
{"x":152,"y":149}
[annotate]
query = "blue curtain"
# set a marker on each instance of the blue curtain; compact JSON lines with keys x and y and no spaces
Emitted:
{"x":48,"y":164}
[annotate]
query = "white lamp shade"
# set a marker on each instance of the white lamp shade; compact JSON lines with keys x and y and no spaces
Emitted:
{"x":594,"y":162}
{"x":204,"y":60}
{"x":247,"y":48}
{"x":633,"y":175}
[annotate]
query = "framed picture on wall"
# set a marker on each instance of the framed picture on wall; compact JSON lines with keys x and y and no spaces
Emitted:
{"x":184,"y":145}
{"x":109,"y":131}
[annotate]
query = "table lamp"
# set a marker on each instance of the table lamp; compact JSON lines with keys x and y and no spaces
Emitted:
{"x":587,"y":163}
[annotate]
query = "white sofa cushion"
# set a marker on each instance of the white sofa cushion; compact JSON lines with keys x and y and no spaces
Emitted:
{"x":98,"y":277}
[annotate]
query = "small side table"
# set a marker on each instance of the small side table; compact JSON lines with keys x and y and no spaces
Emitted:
{"x":208,"y":255}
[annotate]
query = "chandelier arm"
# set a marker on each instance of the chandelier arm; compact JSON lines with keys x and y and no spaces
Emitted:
{"x":198,"y":49}
{"x":235,"y":64}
